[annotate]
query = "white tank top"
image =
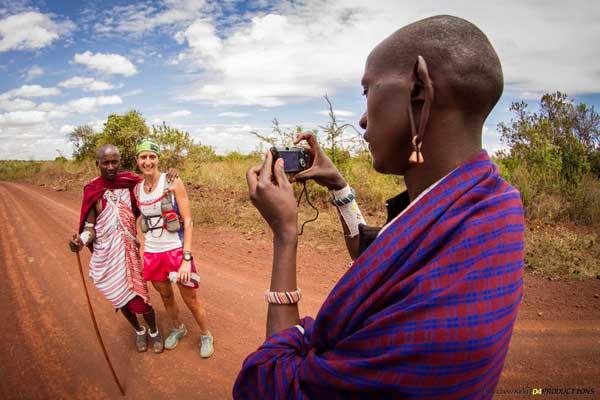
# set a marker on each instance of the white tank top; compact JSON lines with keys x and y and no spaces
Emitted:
{"x":158,"y":240}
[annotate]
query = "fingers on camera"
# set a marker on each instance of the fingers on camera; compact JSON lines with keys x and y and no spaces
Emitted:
{"x":265,"y":172}
{"x":280,"y":175}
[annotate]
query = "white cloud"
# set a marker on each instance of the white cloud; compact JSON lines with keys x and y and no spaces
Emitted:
{"x":66,"y":129}
{"x":131,"y":93}
{"x":172,"y":116}
{"x":51,"y":111}
{"x":300,"y":52}
{"x":228,"y":137}
{"x":140,"y":18}
{"x":36,"y":131}
{"x":179,"y":114}
{"x":86,"y":83}
{"x":491,"y":140}
{"x":21,"y":118}
{"x":91,"y":104}
{"x":106,"y":63}
{"x":30,"y":91}
{"x":202,"y":39}
{"x":33,"y":73}
{"x":16,"y":104}
{"x":30,"y":30}
{"x":177,"y":60}
{"x":338,"y":113}
{"x":233,"y":114}
{"x":97,"y":125}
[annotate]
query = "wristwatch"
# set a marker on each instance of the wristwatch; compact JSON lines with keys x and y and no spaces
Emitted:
{"x":187,"y":256}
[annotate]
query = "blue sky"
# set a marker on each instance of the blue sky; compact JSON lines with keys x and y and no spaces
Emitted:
{"x":220,"y":69}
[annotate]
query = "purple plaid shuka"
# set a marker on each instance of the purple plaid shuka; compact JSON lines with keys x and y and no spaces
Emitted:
{"x":426,"y":311}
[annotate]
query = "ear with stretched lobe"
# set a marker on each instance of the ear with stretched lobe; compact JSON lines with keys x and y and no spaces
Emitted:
{"x":425,"y":93}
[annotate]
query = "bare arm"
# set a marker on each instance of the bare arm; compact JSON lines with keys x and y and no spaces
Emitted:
{"x":351,"y":242}
{"x":141,"y":236}
{"x":277,"y":205}
{"x":283,"y":279}
{"x":183,"y":202}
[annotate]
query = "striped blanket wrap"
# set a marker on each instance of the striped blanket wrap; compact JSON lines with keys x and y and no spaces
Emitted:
{"x":425,"y":312}
{"x":115,"y":266}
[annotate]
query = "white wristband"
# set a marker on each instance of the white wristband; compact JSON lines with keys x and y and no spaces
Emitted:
{"x":352,"y":216}
{"x":85,"y":237}
{"x":343,"y":196}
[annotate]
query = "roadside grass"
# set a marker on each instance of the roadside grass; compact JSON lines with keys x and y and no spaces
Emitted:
{"x":561,"y":250}
{"x":17,"y":169}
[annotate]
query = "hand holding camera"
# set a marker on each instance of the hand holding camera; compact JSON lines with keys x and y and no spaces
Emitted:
{"x":322,"y":170}
{"x":274,"y":198}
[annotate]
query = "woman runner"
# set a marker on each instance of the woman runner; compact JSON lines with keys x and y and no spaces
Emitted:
{"x":167,"y":253}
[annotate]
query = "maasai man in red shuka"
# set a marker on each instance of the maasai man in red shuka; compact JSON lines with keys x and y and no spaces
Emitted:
{"x":107,"y":227}
{"x":427,"y":308}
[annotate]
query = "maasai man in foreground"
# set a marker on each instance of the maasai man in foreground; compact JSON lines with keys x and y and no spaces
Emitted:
{"x":107,"y":226}
{"x":427,"y":308}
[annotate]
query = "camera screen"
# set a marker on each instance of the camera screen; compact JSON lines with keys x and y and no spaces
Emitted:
{"x":291,"y":160}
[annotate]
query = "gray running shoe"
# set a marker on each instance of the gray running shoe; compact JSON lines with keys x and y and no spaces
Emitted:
{"x":174,"y":337}
{"x":206,"y":345}
{"x":157,"y":342}
{"x":141,"y":341}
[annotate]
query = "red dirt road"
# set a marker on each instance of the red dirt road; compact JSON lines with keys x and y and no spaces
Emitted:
{"x":50,"y":350}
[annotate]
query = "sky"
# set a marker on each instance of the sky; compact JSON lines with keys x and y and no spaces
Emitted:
{"x":221,"y":69}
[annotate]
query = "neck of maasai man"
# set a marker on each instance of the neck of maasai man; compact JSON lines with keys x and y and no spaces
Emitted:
{"x":446,"y":145}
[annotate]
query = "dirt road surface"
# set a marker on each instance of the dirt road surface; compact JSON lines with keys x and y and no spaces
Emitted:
{"x":49,"y":349}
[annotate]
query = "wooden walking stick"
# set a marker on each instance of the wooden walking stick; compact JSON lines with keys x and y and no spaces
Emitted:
{"x":87,"y":295}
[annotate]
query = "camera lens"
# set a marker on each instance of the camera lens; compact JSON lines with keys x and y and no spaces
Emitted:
{"x":302,"y":162}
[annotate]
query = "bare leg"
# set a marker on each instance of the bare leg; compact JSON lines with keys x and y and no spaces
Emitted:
{"x":168,"y":298}
{"x":195,"y":306}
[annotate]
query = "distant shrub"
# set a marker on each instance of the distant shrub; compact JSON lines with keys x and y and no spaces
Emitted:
{"x":16,"y":169}
{"x":554,"y":159}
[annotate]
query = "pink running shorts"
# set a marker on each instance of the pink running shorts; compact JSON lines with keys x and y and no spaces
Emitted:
{"x":158,"y":265}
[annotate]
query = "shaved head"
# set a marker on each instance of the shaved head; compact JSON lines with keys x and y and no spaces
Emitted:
{"x":105,"y":149}
{"x":461,"y":60}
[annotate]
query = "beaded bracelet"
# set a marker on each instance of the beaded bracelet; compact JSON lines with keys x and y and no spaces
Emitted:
{"x":283,"y":297}
{"x":343,"y":196}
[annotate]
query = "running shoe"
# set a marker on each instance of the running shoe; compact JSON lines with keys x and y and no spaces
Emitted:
{"x":206,"y":345}
{"x":174,"y":337}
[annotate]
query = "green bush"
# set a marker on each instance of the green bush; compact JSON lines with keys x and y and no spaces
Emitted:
{"x":16,"y":169}
{"x":554,"y":159}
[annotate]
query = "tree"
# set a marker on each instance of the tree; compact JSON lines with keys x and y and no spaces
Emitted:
{"x":563,"y":137}
{"x":199,"y":153}
{"x":335,"y":142}
{"x":279,"y":137}
{"x":174,"y":144}
{"x":84,"y":141}
{"x":124,"y":131}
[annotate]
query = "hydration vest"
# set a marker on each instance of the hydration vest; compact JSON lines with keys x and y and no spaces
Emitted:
{"x":171,"y":218}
